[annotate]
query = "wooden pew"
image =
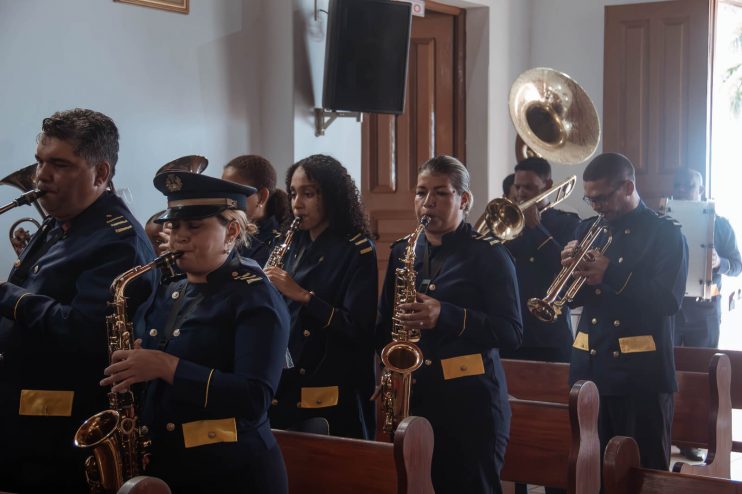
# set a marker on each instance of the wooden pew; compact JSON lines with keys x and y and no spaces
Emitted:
{"x":702,"y":410}
{"x":623,"y":475}
{"x":554,"y":444}
{"x":696,"y":359}
{"x":329,"y":465}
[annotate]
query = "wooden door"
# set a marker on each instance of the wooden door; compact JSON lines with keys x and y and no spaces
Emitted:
{"x":656,"y":89}
{"x":393,"y":147}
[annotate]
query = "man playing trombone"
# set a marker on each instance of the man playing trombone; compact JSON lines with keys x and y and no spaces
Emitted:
{"x":624,"y":338}
{"x":537,"y":261}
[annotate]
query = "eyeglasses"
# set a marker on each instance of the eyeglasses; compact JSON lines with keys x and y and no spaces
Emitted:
{"x":603,"y":198}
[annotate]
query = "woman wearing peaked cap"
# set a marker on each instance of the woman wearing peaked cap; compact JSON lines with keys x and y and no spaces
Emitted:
{"x":211,"y":352}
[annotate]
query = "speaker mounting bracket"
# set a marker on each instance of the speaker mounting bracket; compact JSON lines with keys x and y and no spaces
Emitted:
{"x":323,"y":118}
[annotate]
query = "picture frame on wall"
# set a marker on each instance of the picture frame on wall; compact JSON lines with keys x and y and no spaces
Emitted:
{"x":172,"y":5}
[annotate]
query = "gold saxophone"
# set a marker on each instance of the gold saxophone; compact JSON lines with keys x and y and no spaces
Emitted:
{"x":117,"y":441}
{"x":401,"y":356}
{"x":275,"y":260}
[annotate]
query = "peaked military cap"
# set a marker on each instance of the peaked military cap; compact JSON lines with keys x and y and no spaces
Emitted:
{"x":194,"y":196}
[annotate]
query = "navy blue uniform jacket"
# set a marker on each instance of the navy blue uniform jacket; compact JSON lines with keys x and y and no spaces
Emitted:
{"x":461,"y":387}
{"x":230,"y":334}
{"x":537,"y":253}
{"x":624,"y":339}
{"x":262,"y":243}
{"x":331,"y":339}
{"x":52,"y":330}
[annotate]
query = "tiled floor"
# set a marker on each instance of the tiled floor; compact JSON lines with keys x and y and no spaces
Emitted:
{"x":736,"y":461}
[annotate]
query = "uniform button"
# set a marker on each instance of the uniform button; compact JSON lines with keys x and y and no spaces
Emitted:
{"x":414,"y":381}
{"x":531,"y":259}
{"x":598,"y":291}
{"x":298,"y":405}
{"x":2,"y":357}
{"x":175,"y":295}
{"x":627,"y":231}
{"x":212,"y":434}
{"x":144,"y":430}
{"x":153,"y":332}
{"x":176,"y":333}
{"x":463,"y":368}
{"x":170,"y":427}
{"x":616,"y":323}
{"x":594,"y":321}
{"x":428,"y":361}
{"x":306,"y":332}
{"x":593,"y":352}
{"x":318,"y":402}
{"x":302,"y":371}
{"x":17,"y":263}
{"x":432,"y":287}
{"x":235,"y":274}
{"x":620,"y":260}
{"x":616,"y":354}
{"x":36,"y":269}
{"x":274,"y":402}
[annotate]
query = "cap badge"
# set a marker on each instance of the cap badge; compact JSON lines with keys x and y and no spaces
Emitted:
{"x":173,"y":183}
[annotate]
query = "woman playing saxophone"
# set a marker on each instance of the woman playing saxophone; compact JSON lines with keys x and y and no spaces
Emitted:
{"x":211,"y":352}
{"x":466,"y":308}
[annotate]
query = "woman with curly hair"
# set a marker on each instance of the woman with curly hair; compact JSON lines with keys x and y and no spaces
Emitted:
{"x":330,"y":284}
{"x":269,"y":208}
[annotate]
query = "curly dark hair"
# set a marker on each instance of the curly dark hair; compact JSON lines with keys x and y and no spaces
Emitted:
{"x":340,"y":196}
{"x":93,"y":134}
{"x":259,"y":172}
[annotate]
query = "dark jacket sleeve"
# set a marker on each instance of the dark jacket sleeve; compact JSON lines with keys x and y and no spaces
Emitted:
{"x":261,"y":337}
{"x":78,"y":324}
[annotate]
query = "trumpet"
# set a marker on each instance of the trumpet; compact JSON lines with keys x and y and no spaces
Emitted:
{"x":549,"y":308}
{"x":505,"y":219}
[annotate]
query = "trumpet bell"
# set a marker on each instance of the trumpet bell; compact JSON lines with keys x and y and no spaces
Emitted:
{"x":504,"y":219}
{"x":554,"y":116}
{"x":543,"y":311}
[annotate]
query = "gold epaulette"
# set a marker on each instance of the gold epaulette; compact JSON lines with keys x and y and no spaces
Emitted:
{"x":489,"y":238}
{"x":669,"y":219}
{"x":247,"y":277}
{"x":403,"y":239}
{"x":119,"y":224}
{"x":362,"y":242}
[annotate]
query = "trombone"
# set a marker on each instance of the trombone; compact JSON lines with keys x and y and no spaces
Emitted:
{"x":549,"y":308}
{"x":505,"y":219}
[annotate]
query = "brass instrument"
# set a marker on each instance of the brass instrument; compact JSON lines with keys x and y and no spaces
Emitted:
{"x":191,"y":163}
{"x":554,"y":116}
{"x":25,"y":180}
{"x":549,"y":308}
{"x":505,"y":219}
{"x":117,"y":442}
{"x":275,"y":260}
{"x":401,"y":357}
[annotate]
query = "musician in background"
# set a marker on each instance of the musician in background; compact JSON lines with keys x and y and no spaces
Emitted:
{"x":537,"y":253}
{"x":330,"y":282}
{"x":697,"y":323}
{"x":508,"y":188}
{"x":467,"y":307}
{"x":52,"y":332}
{"x":212,"y":352}
{"x":155,"y":234}
{"x":269,"y":208}
{"x":632,"y":292}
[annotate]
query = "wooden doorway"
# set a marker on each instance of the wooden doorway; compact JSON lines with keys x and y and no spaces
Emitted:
{"x":656,"y":89}
{"x":393,"y":147}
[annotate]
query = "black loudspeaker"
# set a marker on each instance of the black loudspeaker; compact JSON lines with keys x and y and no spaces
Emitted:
{"x":366,"y":55}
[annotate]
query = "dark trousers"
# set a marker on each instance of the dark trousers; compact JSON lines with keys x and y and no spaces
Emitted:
{"x":540,"y":354}
{"x":645,"y":417}
{"x":697,"y":324}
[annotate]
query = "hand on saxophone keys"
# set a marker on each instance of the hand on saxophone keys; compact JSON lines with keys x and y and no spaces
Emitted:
{"x":422,"y":314}
{"x":138,"y":365}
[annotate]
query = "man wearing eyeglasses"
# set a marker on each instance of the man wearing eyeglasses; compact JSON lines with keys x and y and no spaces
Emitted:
{"x":632,"y":292}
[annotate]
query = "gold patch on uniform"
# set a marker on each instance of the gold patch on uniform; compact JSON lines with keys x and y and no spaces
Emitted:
{"x":46,"y":403}
{"x":465,"y":365}
{"x":366,"y":250}
{"x":319,"y":397}
{"x":581,"y":342}
{"x":203,"y":432}
{"x":635,"y":344}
